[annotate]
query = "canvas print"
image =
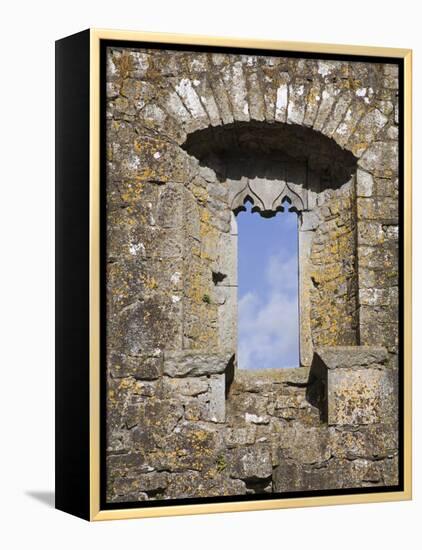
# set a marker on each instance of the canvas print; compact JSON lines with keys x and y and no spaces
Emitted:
{"x":251,"y":274}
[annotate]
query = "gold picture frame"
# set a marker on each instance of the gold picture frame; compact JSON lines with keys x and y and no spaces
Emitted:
{"x":92,"y":508}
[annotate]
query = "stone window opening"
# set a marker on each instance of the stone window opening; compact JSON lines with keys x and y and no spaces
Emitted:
{"x":268,"y":292}
{"x":269,"y":166}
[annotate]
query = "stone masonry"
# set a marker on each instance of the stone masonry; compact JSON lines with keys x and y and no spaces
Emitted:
{"x":191,"y":136}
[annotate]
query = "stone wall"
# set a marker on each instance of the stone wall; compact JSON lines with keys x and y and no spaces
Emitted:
{"x":190,"y":137}
{"x":334,"y":277}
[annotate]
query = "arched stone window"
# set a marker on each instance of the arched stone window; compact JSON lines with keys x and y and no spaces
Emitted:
{"x":268,"y":164}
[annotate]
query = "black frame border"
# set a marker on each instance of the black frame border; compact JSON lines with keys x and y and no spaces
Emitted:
{"x":130,"y":44}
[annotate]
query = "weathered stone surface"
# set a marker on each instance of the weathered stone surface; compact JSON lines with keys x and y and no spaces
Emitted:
{"x":235,"y":84}
{"x":192,"y":446}
{"x":141,"y":326}
{"x":352,"y":356}
{"x":187,"y":386}
{"x":263,"y":380}
{"x":364,"y":184}
{"x":190,"y":137}
{"x":383,"y":209}
{"x":296,"y":106}
{"x":184,"y":363}
{"x":360,"y":396}
{"x":193,"y":484}
{"x":141,"y":487}
{"x":381,"y":159}
{"x":336,"y":474}
{"x":342,"y":105}
{"x":251,"y":463}
{"x":236,"y":437}
{"x":217,"y":398}
{"x":148,"y":366}
{"x":305,"y":445}
{"x":328,"y":98}
{"x":350,"y":125}
{"x":361,"y":387}
{"x":255,"y":95}
{"x":374,"y":440}
{"x":312,"y":103}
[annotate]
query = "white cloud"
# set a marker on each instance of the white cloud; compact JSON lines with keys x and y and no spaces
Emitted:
{"x":282,"y":273}
{"x":268,"y":318}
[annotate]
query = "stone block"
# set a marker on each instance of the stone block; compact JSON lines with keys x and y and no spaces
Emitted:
{"x":186,"y":91}
{"x":305,"y":445}
{"x":217,"y":398}
{"x":155,"y":482}
{"x":186,"y":387}
{"x":234,"y":80}
{"x":191,"y":446}
{"x":250,"y":463}
{"x":170,"y":208}
{"x":238,"y":437}
{"x":375,"y":441}
{"x":194,"y":363}
{"x":290,"y":476}
{"x":360,"y":386}
{"x":378,"y":316}
{"x":227,"y":259}
{"x":381,"y":208}
{"x":227,"y":320}
{"x":144,"y":366}
{"x":329,"y":96}
{"x":194,"y":484}
{"x":203,"y":89}
{"x":364,"y":184}
{"x":352,"y":356}
{"x":256,"y":98}
{"x":312,"y":103}
{"x":281,"y":99}
{"x":339,"y":110}
{"x":346,"y":128}
{"x":381,"y":159}
{"x":385,"y":333}
{"x":297,"y":103}
{"x":221,"y":99}
{"x":379,"y":297}
{"x":156,"y":322}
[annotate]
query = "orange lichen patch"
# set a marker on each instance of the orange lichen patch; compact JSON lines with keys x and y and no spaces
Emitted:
{"x":359,"y":148}
{"x":200,"y":194}
{"x":124,"y":64}
{"x":195,"y":287}
{"x":132,"y":191}
{"x":149,"y":282}
{"x":314,"y":96}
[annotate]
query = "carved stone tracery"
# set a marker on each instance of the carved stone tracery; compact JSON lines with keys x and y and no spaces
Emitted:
{"x":268,"y":195}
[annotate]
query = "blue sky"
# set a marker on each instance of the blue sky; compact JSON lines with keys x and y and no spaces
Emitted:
{"x":268,"y":324}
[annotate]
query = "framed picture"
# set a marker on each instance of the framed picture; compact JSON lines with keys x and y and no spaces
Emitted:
{"x":233,"y":274}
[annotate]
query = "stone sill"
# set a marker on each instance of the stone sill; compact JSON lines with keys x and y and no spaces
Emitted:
{"x":352,"y":356}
